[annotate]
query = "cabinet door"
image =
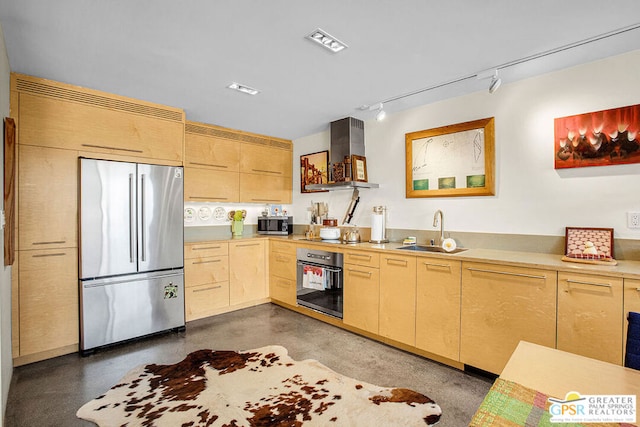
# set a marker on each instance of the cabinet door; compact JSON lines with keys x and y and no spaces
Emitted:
{"x":256,"y":188}
{"x":502,"y":305}
{"x":90,"y":127}
{"x":48,"y":281}
{"x":209,"y":152}
{"x":631,"y":303}
{"x":247,"y":271}
{"x":361,"y":297}
{"x":203,"y":185}
{"x":265,"y":160}
{"x":590,"y":316}
{"x":438,"y":307}
{"x":398,"y":298}
{"x":48,"y":194}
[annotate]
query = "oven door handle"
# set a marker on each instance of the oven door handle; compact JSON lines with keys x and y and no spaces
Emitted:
{"x":326,"y":267}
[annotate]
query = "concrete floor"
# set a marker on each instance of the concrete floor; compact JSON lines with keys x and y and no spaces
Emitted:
{"x":48,"y":393}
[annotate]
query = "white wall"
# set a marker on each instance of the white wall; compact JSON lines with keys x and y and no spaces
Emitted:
{"x":531,"y":196}
{"x":6,"y":363}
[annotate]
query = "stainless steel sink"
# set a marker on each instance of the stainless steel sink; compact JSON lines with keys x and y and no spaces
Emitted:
{"x":419,"y":248}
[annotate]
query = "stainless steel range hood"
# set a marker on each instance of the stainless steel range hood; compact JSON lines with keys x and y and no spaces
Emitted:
{"x":347,"y":139}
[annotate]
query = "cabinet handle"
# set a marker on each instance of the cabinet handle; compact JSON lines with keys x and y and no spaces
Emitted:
{"x":350,"y":270}
{"x":53,"y":242}
{"x":208,"y":198}
{"x":47,"y":255}
{"x":207,"y":289}
{"x":247,"y":244}
{"x":205,"y":247}
{"x":578,"y":282}
{"x":428,"y":264}
{"x":266,"y":171}
{"x":507,"y":273}
{"x":360,"y":256}
{"x":205,"y":262}
{"x":397,"y":261}
{"x":266,"y":200}
{"x":208,"y":164}
{"x":112,"y":148}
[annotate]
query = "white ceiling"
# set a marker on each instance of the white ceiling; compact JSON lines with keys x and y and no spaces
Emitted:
{"x":185,"y":53}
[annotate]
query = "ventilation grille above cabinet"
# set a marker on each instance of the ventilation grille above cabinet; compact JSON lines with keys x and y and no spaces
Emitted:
{"x":52,"y":91}
{"x":221,"y":133}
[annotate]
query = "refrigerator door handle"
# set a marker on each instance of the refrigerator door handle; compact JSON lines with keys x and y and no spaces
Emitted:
{"x":143,"y":219}
{"x":132,"y":237}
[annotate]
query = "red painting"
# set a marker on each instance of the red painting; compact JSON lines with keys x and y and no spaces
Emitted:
{"x":601,"y":138}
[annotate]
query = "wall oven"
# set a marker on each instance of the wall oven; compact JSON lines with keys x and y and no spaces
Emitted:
{"x":319,"y":281}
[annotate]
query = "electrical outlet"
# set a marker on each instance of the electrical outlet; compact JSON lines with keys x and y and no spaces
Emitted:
{"x":633,"y":219}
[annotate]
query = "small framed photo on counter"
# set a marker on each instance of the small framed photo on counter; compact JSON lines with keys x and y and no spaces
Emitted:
{"x":358,"y":168}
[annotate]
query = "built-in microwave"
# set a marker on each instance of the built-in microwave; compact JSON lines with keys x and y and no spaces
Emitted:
{"x":275,"y":225}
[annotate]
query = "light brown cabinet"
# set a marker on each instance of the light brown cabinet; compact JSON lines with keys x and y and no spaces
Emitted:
{"x":398,"y":298}
{"x":590,"y":316}
{"x":502,"y":305}
{"x":48,"y":299}
{"x":58,"y":115}
{"x":210,"y":152}
{"x":255,"y":188}
{"x":438,"y":306}
{"x":362,"y":290}
{"x":203,"y":185}
{"x":282,"y":271}
{"x":47,"y":202}
{"x":265,"y":160}
{"x":247,"y":270}
{"x":206,"y":271}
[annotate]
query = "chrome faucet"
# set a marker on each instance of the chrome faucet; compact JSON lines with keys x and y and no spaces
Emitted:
{"x":435,"y":224}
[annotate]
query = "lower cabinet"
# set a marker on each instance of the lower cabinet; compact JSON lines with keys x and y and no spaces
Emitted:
{"x":502,"y":305}
{"x":48,"y":300}
{"x":206,"y":270}
{"x":438,"y":307}
{"x":282,"y":272}
{"x":590,"y":316}
{"x":362,"y":291}
{"x":247,"y":269}
{"x":398,"y":298}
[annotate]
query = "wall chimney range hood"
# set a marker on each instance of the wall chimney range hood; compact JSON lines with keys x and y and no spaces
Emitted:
{"x":347,"y":139}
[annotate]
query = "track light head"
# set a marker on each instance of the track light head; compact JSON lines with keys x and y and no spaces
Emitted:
{"x":495,"y":83}
{"x":381,"y":114}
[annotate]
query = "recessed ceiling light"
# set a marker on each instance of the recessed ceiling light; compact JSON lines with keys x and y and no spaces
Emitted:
{"x":326,"y":40}
{"x":243,"y":88}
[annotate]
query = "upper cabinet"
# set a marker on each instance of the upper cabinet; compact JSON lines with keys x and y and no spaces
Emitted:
{"x":233,"y":166}
{"x":57,"y":115}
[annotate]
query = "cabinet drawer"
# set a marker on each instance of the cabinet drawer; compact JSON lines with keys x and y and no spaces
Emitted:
{"x":203,"y":300}
{"x":590,"y":316}
{"x":199,"y":271}
{"x":283,"y":264}
{"x":282,"y":289}
{"x":370,"y":259}
{"x":205,"y":249}
{"x":283,"y":246}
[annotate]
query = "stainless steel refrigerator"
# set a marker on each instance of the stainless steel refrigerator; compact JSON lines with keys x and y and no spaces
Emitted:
{"x":131,"y":251}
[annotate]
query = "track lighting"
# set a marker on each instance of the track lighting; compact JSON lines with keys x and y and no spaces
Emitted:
{"x":495,"y":82}
{"x":381,"y":114}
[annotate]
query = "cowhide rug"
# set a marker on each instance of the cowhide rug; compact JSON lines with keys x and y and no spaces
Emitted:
{"x":262,"y":387}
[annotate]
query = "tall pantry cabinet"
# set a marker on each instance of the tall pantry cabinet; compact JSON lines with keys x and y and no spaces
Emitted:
{"x":56,"y":124}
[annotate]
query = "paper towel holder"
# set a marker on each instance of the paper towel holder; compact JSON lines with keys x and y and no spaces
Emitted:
{"x":379,"y":225}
